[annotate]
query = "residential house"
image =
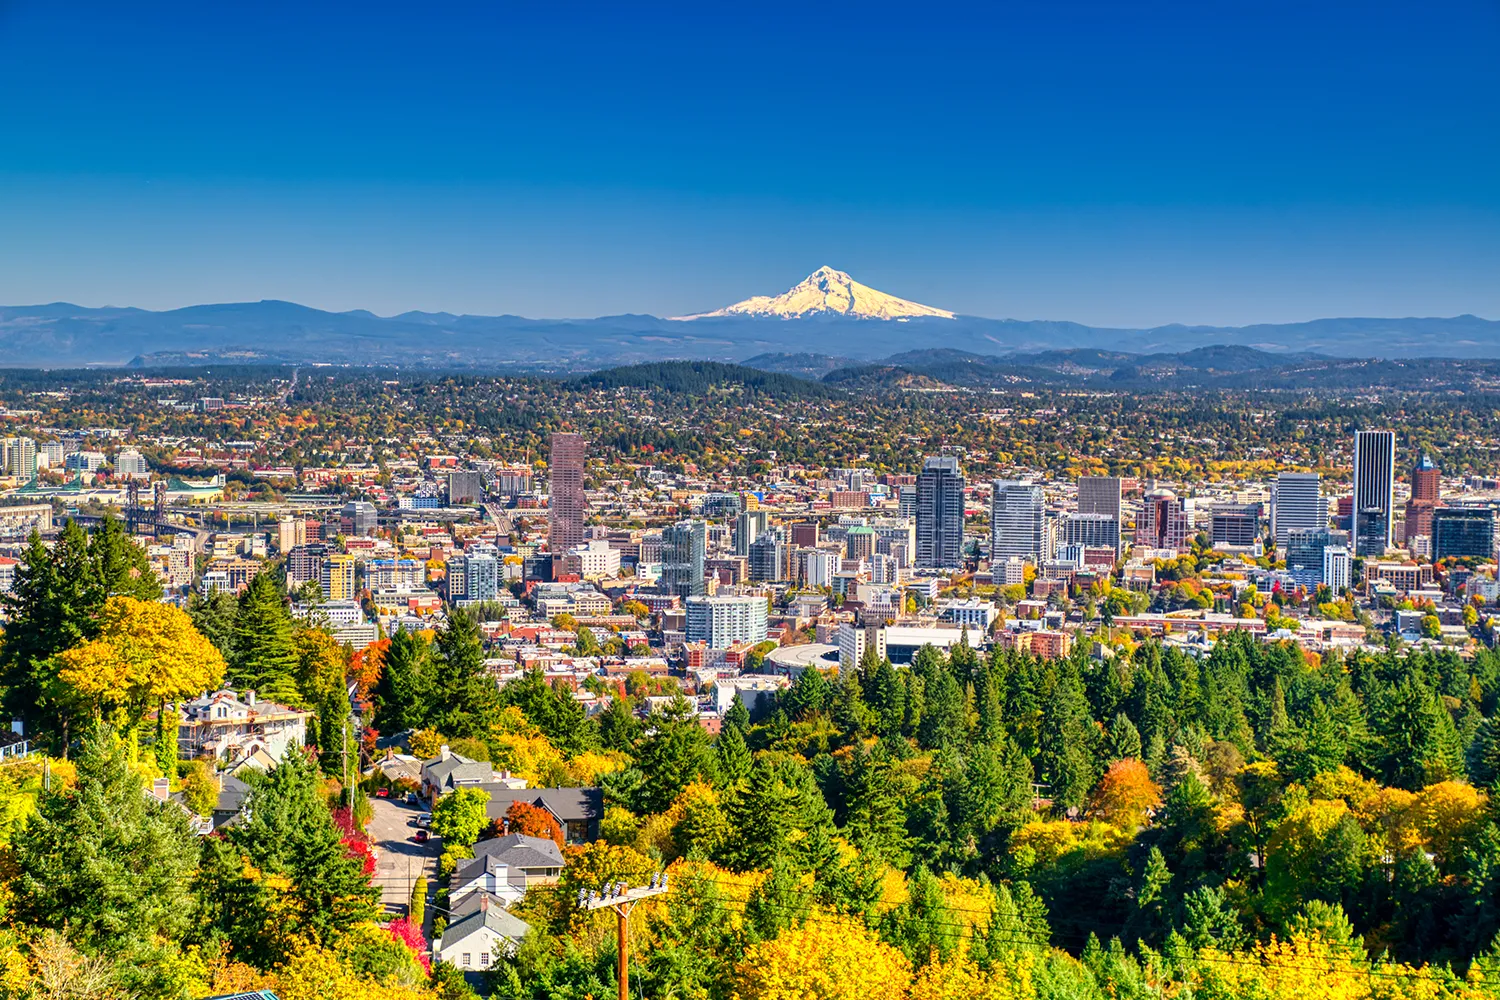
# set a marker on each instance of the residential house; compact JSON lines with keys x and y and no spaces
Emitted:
{"x":229,"y":727}
{"x":474,"y":942}
{"x":506,"y":866}
{"x":578,"y":810}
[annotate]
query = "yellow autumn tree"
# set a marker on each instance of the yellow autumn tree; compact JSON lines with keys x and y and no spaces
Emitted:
{"x":146,"y":655}
{"x":827,"y":958}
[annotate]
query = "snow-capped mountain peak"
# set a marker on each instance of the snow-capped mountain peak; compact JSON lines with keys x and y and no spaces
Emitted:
{"x":827,"y":292}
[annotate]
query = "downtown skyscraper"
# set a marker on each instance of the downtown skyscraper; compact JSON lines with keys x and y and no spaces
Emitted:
{"x":940,"y":514}
{"x":1299,"y":505}
{"x":566,"y":501}
{"x":1016,"y":526}
{"x":1374,"y":491}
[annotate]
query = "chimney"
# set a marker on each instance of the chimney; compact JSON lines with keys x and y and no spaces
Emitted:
{"x":484,"y":901}
{"x":161,"y":789}
{"x":444,"y":753}
{"x":250,"y":698}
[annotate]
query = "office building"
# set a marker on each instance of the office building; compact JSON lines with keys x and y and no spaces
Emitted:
{"x":1164,"y":522}
{"x":290,"y":533}
{"x":722,"y":622}
{"x":906,"y":501}
{"x":511,"y":481}
{"x":1092,"y":531}
{"x":304,"y":564}
{"x":481,"y":572}
{"x":819,"y":566}
{"x":747,"y":527}
{"x":1426,"y":487}
{"x":940,"y":514}
{"x":859,"y":542}
{"x":464,"y":486}
{"x":131,"y":464}
{"x":767,"y":557}
{"x":1306,"y":550}
{"x":337,"y":577}
{"x":595,"y":559}
{"x":566,"y":502}
{"x":1099,"y":495}
{"x":1298,"y":504}
{"x":1235,"y":525}
{"x":1338,"y":568}
{"x":359,"y":518}
{"x":1374,"y":491}
{"x":20,"y":458}
{"x":719,"y":505}
{"x":684,"y":546}
{"x":805,"y":534}
{"x":1016,"y":522}
{"x":1464,"y":532}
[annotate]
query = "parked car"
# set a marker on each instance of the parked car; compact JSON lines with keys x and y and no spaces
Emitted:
{"x":424,"y":820}
{"x":411,"y":798}
{"x":421,"y":836}
{"x":382,"y":793}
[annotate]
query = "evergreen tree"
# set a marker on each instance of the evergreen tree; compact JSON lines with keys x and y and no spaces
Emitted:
{"x":120,"y":565}
{"x":1484,"y":754}
{"x":215,"y":616}
{"x":400,"y":695}
{"x":556,"y":713}
{"x":886,"y":695}
{"x":923,"y":927}
{"x":850,"y":713}
{"x":775,"y":814}
{"x":875,"y":819}
{"x":1066,"y":759}
{"x":1415,"y":742}
{"x":943,"y":713}
{"x":105,"y":860}
{"x":464,"y":698}
{"x":1124,"y":739}
{"x":734,"y":758}
{"x":673,"y":754}
{"x":289,"y":831}
{"x":738,"y":716}
{"x":618,"y":727}
{"x":265,"y":655}
{"x":808,"y":694}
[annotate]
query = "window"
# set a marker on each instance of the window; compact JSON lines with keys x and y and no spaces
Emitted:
{"x":466,"y":959}
{"x":484,"y":959}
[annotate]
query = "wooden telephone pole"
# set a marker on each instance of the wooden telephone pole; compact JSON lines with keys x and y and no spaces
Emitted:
{"x":622,"y":899}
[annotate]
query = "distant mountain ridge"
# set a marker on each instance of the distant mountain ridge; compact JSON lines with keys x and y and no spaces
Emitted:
{"x":827,"y":316}
{"x":1213,"y":367}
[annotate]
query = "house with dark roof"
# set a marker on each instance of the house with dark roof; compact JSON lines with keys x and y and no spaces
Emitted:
{"x":448,"y":771}
{"x":577,"y":810}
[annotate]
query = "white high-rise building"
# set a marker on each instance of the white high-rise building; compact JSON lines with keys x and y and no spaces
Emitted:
{"x":1299,"y":504}
{"x":131,"y":464}
{"x":1337,"y":567}
{"x":722,"y":622}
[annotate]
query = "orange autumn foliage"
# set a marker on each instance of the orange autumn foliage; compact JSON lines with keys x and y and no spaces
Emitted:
{"x":1125,"y":794}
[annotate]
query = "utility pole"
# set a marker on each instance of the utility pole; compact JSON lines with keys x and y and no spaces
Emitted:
{"x":622,"y":899}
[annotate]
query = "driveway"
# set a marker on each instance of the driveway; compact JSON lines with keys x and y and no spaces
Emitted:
{"x":399,"y":860}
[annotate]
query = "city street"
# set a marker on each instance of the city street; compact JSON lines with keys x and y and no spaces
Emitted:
{"x":399,"y":860}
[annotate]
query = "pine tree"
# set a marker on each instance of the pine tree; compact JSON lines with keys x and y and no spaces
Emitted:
{"x":673,"y":754}
{"x":1066,"y":759}
{"x":738,"y":716}
{"x":1484,"y":754}
{"x":734,"y":756}
{"x":215,"y":616}
{"x":400,"y":695}
{"x":807,"y":695}
{"x":886,"y":696}
{"x":121,"y":566}
{"x":265,"y":655}
{"x":289,"y":831}
{"x":105,"y":860}
{"x":464,"y":698}
{"x":1124,"y":739}
{"x":850,"y":713}
{"x":618,"y":727}
{"x":943,"y":713}
{"x":875,"y":819}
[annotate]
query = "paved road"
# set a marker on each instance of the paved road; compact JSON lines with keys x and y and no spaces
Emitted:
{"x":398,"y":859}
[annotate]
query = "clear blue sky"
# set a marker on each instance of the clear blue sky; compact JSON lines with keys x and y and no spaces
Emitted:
{"x":1112,"y":163}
